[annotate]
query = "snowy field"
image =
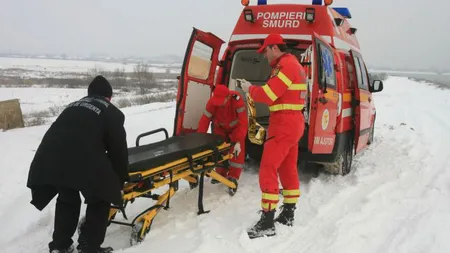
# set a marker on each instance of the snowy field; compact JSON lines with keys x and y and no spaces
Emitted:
{"x":54,"y":68}
{"x":38,"y":99}
{"x":396,"y":199}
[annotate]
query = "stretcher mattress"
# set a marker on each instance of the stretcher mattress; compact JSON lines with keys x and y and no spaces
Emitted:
{"x":152,"y":155}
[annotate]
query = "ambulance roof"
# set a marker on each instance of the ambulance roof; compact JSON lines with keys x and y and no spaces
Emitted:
{"x":290,"y":21}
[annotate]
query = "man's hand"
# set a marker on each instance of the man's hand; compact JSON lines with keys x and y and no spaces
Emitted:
{"x":237,"y":149}
{"x":245,"y":85}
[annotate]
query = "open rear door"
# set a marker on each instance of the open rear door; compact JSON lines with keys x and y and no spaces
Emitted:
{"x":361,"y":103}
{"x":324,"y":98}
{"x":196,"y":80}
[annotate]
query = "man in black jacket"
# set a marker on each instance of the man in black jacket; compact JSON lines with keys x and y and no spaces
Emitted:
{"x":85,"y":150}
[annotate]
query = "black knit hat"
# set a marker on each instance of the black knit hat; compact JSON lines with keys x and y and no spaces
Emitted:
{"x":100,"y":87}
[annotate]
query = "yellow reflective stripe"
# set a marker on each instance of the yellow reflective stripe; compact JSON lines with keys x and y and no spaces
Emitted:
{"x":290,"y":200}
{"x":291,"y":192}
{"x":279,"y":107}
{"x":270,"y":196}
{"x":269,"y":92}
{"x":239,"y":110}
{"x":284,"y":79}
{"x":298,"y":86}
{"x":268,"y":206}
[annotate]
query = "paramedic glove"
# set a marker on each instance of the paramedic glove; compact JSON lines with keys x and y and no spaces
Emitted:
{"x":237,"y":149}
{"x":245,"y":85}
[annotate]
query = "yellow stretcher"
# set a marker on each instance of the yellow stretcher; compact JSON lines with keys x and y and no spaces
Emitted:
{"x":190,"y":157}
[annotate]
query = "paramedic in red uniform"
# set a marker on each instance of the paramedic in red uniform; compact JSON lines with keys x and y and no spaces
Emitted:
{"x":226,"y":109}
{"x":284,"y":93}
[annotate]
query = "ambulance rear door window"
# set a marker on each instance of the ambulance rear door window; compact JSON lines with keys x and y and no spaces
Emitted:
{"x":327,"y":73}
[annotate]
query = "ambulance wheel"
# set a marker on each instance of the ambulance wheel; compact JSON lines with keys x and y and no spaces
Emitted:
{"x":372,"y":132}
{"x":136,"y":232}
{"x":346,"y":158}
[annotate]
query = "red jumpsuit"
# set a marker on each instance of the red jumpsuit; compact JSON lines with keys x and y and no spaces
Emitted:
{"x":229,"y":120}
{"x":285,"y":94}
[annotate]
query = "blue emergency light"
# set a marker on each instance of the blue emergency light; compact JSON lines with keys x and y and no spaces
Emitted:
{"x":317,"y":2}
{"x":262,"y":2}
{"x":343,"y":11}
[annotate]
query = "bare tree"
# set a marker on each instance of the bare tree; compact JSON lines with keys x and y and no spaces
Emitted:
{"x":144,"y":78}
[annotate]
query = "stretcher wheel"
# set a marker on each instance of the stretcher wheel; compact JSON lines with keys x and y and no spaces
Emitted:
{"x":136,"y":232}
{"x":194,"y":185}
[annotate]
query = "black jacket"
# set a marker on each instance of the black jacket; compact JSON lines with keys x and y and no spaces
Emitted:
{"x":84,"y":149}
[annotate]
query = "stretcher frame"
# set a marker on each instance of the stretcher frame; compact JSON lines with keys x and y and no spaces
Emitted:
{"x":192,"y":168}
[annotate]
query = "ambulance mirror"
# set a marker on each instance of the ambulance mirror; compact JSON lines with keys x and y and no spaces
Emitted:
{"x":377,"y":86}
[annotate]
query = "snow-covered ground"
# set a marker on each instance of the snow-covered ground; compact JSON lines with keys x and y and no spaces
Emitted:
{"x":54,"y":65}
{"x":38,"y":99}
{"x":396,"y":199}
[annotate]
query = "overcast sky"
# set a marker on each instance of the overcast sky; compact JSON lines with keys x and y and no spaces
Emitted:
{"x":392,"y":33}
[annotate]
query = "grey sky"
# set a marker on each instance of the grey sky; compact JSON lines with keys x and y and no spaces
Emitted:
{"x":391,"y":33}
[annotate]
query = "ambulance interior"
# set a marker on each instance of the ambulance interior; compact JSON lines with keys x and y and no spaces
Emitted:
{"x":250,"y":65}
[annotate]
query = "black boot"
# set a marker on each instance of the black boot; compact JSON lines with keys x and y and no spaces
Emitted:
{"x":85,"y":249}
{"x":68,"y":250}
{"x":264,"y":227}
{"x":286,"y":217}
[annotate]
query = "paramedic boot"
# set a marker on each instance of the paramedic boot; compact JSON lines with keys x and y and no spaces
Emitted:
{"x":85,"y":249}
{"x":286,"y":217}
{"x":264,"y":227}
{"x":233,"y":191}
{"x":68,"y":250}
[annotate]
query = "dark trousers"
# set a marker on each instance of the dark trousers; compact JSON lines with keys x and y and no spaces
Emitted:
{"x":68,"y":205}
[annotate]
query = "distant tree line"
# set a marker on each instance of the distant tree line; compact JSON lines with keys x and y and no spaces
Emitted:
{"x":140,"y":78}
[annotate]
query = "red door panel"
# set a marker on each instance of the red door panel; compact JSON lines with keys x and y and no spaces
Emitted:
{"x":196,"y":80}
{"x":324,"y":99}
{"x":361,"y":104}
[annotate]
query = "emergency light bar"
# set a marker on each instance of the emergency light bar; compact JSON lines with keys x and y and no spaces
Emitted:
{"x":262,"y":2}
{"x":344,"y":12}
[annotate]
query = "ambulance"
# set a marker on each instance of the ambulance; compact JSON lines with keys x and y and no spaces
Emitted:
{"x":340,"y":113}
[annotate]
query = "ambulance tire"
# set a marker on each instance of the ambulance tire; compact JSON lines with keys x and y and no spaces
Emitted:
{"x":372,"y":132}
{"x":347,"y":158}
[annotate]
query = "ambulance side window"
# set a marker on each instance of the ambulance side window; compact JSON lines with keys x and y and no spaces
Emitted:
{"x":361,"y":73}
{"x":200,"y":61}
{"x":351,"y":73}
{"x":327,"y":74}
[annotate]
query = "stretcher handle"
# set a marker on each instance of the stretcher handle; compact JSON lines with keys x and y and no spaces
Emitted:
{"x":150,"y":133}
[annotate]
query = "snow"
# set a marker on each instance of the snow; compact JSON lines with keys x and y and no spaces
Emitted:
{"x":54,"y":65}
{"x":394,"y":200}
